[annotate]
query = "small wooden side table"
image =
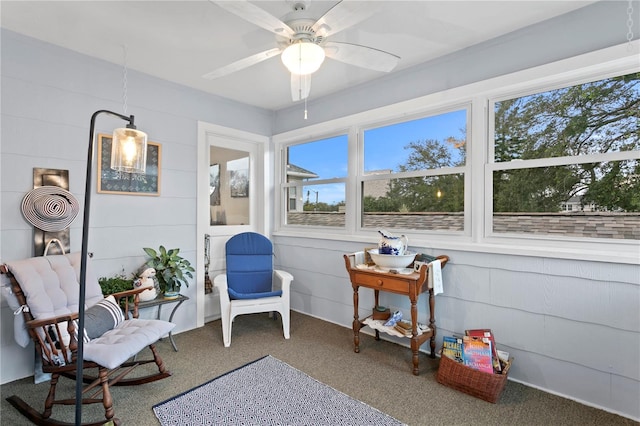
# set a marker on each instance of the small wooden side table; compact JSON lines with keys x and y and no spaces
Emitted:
{"x":159,"y":301}
{"x":411,"y":285}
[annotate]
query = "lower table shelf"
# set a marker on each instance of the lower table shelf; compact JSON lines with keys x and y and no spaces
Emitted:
{"x":378,"y":325}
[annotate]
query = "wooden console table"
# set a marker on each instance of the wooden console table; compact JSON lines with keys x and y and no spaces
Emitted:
{"x":411,"y":285}
{"x":159,"y":301}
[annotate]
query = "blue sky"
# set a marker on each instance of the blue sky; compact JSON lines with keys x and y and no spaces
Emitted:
{"x":384,"y":149}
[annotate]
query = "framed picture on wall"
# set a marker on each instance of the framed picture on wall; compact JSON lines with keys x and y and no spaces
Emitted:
{"x":115,"y":182}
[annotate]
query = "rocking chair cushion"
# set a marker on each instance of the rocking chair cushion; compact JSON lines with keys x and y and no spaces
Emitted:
{"x":118,"y":345}
{"x":50,"y":283}
{"x":19,"y":327}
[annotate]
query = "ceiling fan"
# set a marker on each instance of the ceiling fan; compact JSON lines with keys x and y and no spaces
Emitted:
{"x":303,"y":41}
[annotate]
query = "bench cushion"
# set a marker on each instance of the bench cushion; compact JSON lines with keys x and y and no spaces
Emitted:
{"x":131,"y":336}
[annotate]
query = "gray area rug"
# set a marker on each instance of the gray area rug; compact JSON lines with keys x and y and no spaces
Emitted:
{"x":267,"y":392}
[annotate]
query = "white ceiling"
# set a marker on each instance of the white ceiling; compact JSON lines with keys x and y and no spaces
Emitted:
{"x":180,"y":41}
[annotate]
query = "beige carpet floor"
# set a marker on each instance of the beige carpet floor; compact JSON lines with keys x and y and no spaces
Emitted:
{"x":380,"y":375}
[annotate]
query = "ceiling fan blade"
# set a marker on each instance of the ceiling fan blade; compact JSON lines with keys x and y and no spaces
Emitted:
{"x":257,"y":16}
{"x":343,"y":15}
{"x":361,"y":56}
{"x":300,"y":86}
{"x":242,"y":63}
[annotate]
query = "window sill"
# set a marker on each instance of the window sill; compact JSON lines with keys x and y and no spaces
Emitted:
{"x":625,"y":252}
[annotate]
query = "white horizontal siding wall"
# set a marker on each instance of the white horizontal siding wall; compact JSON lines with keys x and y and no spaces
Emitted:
{"x":573,"y":327}
{"x":48,"y":97}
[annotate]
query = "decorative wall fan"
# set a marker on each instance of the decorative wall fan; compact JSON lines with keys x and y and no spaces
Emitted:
{"x":303,"y":42}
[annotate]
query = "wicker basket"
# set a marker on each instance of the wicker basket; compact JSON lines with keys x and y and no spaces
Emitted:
{"x":473,"y":382}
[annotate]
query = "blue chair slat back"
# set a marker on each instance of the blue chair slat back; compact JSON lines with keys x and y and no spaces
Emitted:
{"x":250,"y":266}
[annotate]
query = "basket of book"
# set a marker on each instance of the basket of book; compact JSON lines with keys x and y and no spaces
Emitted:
{"x":470,"y":365}
{"x":476,"y":383}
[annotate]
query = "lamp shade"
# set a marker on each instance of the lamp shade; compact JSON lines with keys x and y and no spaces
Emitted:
{"x":303,"y":57}
{"x":129,"y":150}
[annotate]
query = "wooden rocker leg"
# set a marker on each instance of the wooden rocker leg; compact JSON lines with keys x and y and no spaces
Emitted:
{"x":161,"y":374}
{"x":44,"y":418}
{"x":36,"y":418}
{"x":129,"y":366}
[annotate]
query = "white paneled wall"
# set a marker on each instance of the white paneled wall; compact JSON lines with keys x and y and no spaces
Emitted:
{"x":573,"y":327}
{"x":48,"y":97}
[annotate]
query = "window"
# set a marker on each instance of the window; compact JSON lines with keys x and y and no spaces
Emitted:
{"x":316,"y":173}
{"x":544,"y":161}
{"x":229,"y":187}
{"x":569,"y":150}
{"x":414,"y":174}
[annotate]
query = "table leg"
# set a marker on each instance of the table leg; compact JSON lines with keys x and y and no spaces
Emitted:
{"x":414,"y":335}
{"x":356,"y":321}
{"x":173,"y":343}
{"x":376,"y":294}
{"x":158,"y":317}
{"x":432,"y":323}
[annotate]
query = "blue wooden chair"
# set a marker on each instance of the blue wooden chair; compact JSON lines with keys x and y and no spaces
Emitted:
{"x":250,"y":284}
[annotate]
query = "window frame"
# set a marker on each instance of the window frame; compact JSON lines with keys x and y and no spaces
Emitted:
{"x":609,"y":62}
{"x":362,"y":177}
{"x":282,"y":185}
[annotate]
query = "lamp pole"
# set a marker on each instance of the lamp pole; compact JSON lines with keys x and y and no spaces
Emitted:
{"x":84,"y":253}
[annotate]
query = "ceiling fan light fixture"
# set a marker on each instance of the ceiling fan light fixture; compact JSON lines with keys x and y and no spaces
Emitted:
{"x":303,"y":57}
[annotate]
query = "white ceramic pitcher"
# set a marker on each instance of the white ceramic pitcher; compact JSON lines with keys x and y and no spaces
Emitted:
{"x":393,"y":245}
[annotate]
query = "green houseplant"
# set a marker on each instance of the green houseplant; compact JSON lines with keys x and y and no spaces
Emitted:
{"x":172,"y":270}
{"x":116,"y":284}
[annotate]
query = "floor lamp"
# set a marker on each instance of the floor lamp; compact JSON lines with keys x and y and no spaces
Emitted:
{"x":128,"y":154}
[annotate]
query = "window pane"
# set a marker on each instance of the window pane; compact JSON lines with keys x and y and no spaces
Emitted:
{"x":229,"y":202}
{"x":426,"y":143}
{"x":590,"y":118}
{"x":321,"y":159}
{"x":317,"y":205}
{"x":427,"y":203}
{"x":594,"y":200}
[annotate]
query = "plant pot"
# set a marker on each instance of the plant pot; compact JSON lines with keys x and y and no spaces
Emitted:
{"x":170,"y":295}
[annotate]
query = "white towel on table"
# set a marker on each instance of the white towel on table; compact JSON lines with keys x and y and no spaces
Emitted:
{"x":435,"y":277}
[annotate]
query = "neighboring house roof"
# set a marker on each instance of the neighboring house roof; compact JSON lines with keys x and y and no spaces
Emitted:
{"x":377,"y":188}
{"x":293,"y":170}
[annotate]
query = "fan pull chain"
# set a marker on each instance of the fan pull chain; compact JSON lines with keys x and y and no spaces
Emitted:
{"x":305,"y":108}
{"x":124,"y":78}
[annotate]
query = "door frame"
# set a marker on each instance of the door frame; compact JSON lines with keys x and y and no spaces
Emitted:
{"x":260,"y":206}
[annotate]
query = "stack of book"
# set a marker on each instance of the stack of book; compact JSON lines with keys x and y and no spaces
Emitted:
{"x":477,"y":350}
{"x":404,"y":327}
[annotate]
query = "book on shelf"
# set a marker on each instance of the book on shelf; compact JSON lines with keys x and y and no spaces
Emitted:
{"x":487,"y":334}
{"x":452,"y":348}
{"x":404,"y":327}
{"x":477,"y":353}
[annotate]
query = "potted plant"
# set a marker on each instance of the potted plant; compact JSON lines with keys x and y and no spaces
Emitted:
{"x":171,"y":270}
{"x":116,"y":284}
